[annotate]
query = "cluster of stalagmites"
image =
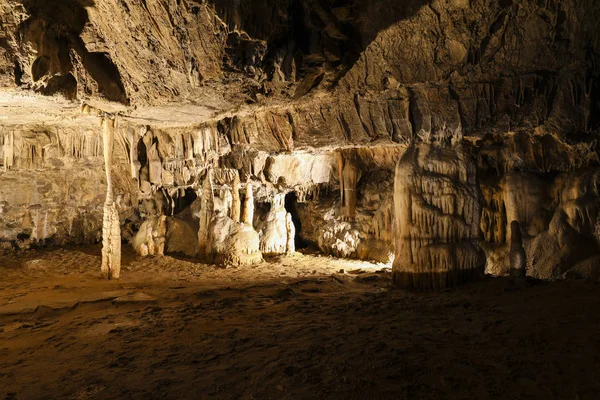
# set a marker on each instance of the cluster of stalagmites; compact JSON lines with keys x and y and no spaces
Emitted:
{"x":226,"y":234}
{"x":437,"y":209}
{"x":545,"y":228}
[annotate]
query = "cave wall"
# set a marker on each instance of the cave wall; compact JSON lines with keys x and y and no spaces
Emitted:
{"x":53,"y":186}
{"x":319,"y":98}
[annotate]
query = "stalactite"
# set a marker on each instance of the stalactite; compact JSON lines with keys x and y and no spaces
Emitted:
{"x":111,"y":228}
{"x":134,"y":163}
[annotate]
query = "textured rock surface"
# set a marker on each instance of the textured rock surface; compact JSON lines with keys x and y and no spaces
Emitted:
{"x":314,"y":99}
{"x":437,"y":210}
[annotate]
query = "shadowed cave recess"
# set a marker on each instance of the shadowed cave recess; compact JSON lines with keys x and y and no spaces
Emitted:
{"x":440,"y":141}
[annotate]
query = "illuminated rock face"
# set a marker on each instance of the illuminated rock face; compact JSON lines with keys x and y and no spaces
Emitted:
{"x":151,"y":238}
{"x":277,"y":231}
{"x":437,"y":208}
{"x":318,"y":102}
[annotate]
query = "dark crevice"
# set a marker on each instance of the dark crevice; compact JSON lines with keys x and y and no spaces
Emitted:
{"x":291,"y":206}
{"x":18,"y":74}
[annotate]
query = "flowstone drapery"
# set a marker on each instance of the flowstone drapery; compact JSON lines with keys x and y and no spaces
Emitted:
{"x":437,"y":211}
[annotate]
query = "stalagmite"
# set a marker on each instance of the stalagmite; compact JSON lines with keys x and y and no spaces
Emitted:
{"x":231,"y":243}
{"x":517,"y":255}
{"x":111,"y":228}
{"x":274,"y":230}
{"x":151,"y":238}
{"x":291,"y":234}
{"x":155,"y":164}
{"x":436,"y":203}
{"x":227,"y":201}
{"x":349,"y":175}
{"x":206,"y":213}
{"x":248,"y":214}
{"x":150,"y":241}
{"x":236,"y":203}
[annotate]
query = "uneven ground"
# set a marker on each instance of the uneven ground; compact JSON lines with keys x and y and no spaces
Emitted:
{"x":290,"y":328}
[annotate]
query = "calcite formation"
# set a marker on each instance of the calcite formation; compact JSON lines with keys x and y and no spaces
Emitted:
{"x":152,"y":237}
{"x":207,"y":210}
{"x":111,"y":225}
{"x":437,"y":210}
{"x":278,"y":232}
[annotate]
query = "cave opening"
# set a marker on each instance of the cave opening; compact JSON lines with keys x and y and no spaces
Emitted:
{"x":18,"y":73}
{"x":291,"y":206}
{"x":183,"y":202}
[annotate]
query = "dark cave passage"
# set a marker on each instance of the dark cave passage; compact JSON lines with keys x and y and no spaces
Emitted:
{"x":183,"y":202}
{"x":291,"y":206}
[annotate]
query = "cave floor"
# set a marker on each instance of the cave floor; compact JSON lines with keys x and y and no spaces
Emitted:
{"x":293,"y":327}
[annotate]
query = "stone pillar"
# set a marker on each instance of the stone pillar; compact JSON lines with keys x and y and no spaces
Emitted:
{"x":207,"y":207}
{"x":111,"y":227}
{"x":437,"y":211}
{"x":236,"y":203}
{"x":248,"y":214}
{"x":349,"y":175}
{"x":291,"y":234}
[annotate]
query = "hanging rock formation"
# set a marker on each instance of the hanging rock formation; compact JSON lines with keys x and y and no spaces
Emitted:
{"x":436,"y":203}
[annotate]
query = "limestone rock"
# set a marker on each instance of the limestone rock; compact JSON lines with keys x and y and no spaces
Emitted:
{"x":437,"y":210}
{"x":111,"y":225}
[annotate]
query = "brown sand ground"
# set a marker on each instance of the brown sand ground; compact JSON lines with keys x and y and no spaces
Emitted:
{"x":291,"y":328}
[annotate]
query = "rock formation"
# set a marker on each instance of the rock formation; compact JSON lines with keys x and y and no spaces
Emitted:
{"x":316,"y":100}
{"x":151,"y":237}
{"x":437,"y":209}
{"x":277,"y":231}
{"x":291,"y":234}
{"x":236,"y":205}
{"x":207,"y":210}
{"x":248,"y":213}
{"x":111,"y":225}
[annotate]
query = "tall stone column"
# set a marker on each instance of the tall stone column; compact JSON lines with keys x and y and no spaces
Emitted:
{"x":291,"y":234}
{"x":111,"y":227}
{"x":248,"y":215}
{"x":437,"y":211}
{"x":349,"y":175}
{"x":236,"y":203}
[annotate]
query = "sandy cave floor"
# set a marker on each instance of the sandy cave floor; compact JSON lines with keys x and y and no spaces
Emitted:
{"x":293,"y":327}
